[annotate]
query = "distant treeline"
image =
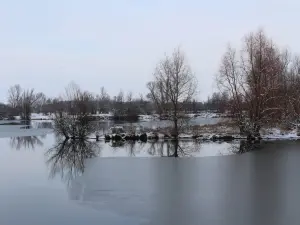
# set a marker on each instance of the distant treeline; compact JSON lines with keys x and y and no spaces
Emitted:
{"x":121,"y":105}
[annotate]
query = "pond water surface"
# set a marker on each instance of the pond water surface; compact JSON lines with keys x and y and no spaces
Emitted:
{"x":45,"y":180}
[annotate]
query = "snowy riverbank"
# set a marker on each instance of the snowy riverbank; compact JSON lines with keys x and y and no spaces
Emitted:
{"x":142,"y":117}
{"x":272,"y":134}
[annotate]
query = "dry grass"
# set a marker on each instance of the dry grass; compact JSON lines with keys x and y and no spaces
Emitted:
{"x":223,"y":127}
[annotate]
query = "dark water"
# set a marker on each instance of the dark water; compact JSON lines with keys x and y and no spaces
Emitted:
{"x":45,"y":181}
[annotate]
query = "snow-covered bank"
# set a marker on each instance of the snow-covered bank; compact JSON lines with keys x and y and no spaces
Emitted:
{"x":205,"y":137}
{"x":277,"y":134}
{"x":148,"y":117}
{"x":225,"y":131}
{"x":141,"y":117}
{"x":269,"y":134}
{"x":38,"y":116}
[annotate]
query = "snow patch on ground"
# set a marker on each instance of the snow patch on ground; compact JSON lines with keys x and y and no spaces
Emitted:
{"x":146,"y":117}
{"x":39,"y":116}
{"x":185,"y":136}
{"x":151,"y":135}
{"x":277,"y":134}
{"x":161,"y":136}
{"x":107,"y":116}
{"x":208,"y":115}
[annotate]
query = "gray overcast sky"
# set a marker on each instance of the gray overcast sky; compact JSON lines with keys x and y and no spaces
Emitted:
{"x":46,"y":44}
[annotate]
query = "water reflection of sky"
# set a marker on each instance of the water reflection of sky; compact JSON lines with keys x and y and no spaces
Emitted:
{"x":159,"y":148}
{"x":254,"y":188}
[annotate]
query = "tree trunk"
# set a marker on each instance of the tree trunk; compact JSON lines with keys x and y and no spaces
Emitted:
{"x":242,"y":129}
{"x":176,"y":136}
{"x":256,"y":130}
{"x":176,"y":132}
{"x":298,"y":129}
{"x":176,"y":148}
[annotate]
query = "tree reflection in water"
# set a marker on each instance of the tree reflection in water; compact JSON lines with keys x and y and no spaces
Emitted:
{"x":29,"y":142}
{"x":68,"y":157}
{"x":43,"y":124}
{"x":158,"y":148}
{"x":132,"y":149}
{"x":245,"y":146}
{"x":171,"y":148}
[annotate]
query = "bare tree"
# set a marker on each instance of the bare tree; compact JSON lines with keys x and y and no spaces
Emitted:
{"x":23,"y":101}
{"x":103,"y":100}
{"x":80,"y":102}
{"x":230,"y":80}
{"x":291,"y":88}
{"x":119,"y":104}
{"x":75,"y":124}
{"x":158,"y":96}
{"x":72,"y":92}
{"x":40,"y":101}
{"x":131,"y":109}
{"x":29,"y":100}
{"x":120,"y":97}
{"x":254,"y":82}
{"x":264,"y":66}
{"x":103,"y":94}
{"x":218,"y":102}
{"x":14,"y":96}
{"x":129,"y":97}
{"x":173,"y":84}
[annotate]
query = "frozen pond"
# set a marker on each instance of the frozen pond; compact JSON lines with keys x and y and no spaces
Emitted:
{"x":47,"y":181}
